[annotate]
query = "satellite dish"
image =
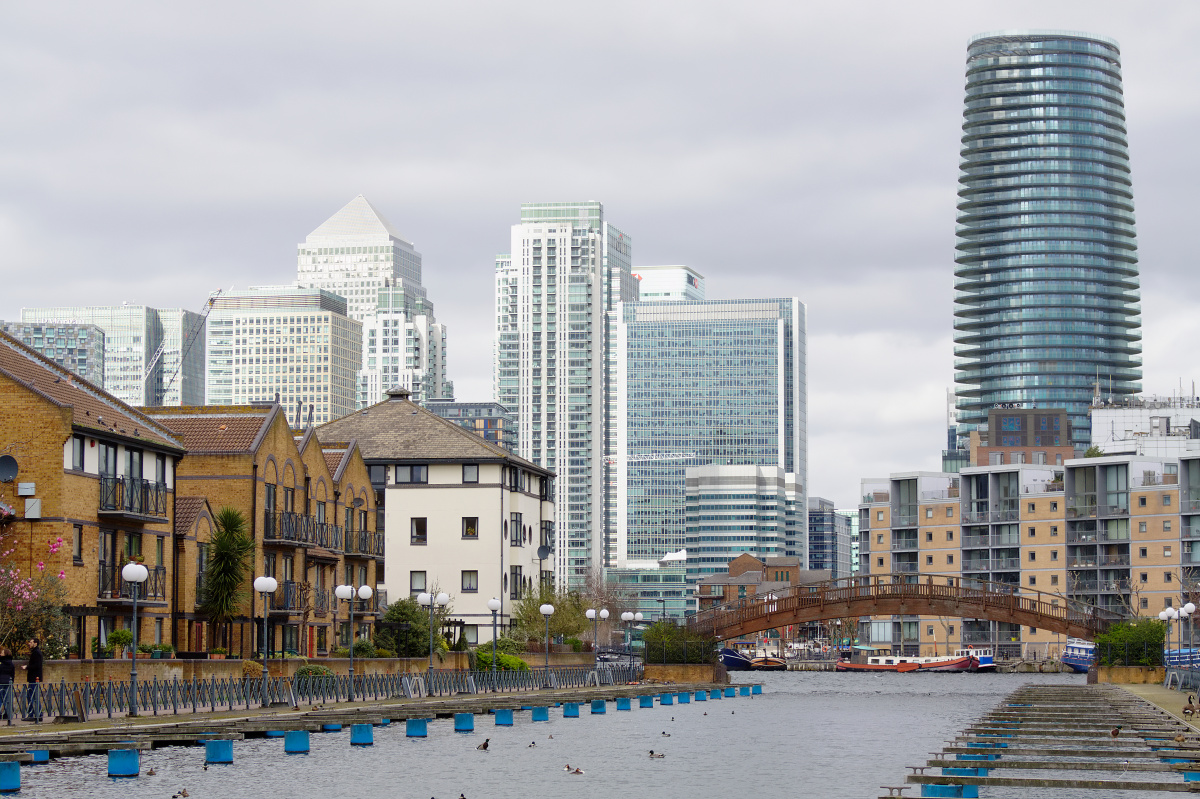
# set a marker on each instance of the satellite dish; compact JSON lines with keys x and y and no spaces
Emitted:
{"x":8,"y":468}
{"x":543,"y":551}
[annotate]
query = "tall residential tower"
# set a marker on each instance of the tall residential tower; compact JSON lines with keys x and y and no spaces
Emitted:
{"x":1047,"y":307}
{"x":567,"y":267}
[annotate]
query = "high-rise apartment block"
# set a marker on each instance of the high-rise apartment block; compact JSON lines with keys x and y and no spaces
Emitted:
{"x":1115,"y":532}
{"x":280,"y":342}
{"x":152,"y":356}
{"x":566,"y":268}
{"x":697,"y":383}
{"x":1047,"y":310}
{"x":358,"y":255}
{"x":669,"y":283}
{"x":75,"y":347}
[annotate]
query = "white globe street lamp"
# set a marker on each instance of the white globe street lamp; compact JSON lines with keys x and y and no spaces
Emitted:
{"x":430,"y":601}
{"x":349,"y":593}
{"x":134,"y":574}
{"x":265,"y":585}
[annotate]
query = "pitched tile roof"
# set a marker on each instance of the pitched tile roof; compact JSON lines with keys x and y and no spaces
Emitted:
{"x":187,"y":510}
{"x":333,"y":460}
{"x":399,"y":429}
{"x":93,"y":407}
{"x":218,"y":428}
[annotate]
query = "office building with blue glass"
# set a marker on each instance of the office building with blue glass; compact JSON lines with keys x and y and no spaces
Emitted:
{"x":697,"y":383}
{"x":1046,"y":312}
{"x":829,"y":538}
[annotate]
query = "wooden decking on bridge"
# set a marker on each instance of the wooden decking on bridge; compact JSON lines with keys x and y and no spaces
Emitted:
{"x":897,"y":594}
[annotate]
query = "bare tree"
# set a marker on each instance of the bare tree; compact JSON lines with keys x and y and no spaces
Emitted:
{"x":598,"y":593}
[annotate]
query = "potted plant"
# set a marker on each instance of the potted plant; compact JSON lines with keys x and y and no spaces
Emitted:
{"x":163,"y":652}
{"x":217,"y":653}
{"x":119,"y":641}
{"x":73,"y":652}
{"x":144,"y":650}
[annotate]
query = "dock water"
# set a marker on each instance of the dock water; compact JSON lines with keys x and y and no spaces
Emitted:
{"x":1092,"y":737}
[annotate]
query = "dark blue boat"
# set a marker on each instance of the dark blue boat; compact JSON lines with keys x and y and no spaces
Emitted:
{"x":735,"y":661}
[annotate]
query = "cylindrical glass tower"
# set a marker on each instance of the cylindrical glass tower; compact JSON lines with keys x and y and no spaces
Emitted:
{"x":1046,"y":309}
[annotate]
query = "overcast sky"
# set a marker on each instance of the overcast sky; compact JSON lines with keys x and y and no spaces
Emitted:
{"x":153,"y":153}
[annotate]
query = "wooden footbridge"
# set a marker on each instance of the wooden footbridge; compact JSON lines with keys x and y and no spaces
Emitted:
{"x":897,"y":594}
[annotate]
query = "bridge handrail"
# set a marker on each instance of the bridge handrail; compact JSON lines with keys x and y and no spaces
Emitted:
{"x":842,"y":591}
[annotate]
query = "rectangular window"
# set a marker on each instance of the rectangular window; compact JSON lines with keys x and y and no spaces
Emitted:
{"x":419,"y":531}
{"x":416,"y":583}
{"x":516,"y":582}
{"x":516,"y":531}
{"x":1167,"y":577}
{"x":879,"y":538}
{"x":950,"y":629}
{"x":471,"y":633}
{"x":1053,"y":506}
{"x":1145,"y":603}
{"x":1142,"y":552}
{"x":158,"y":552}
{"x":1054,"y":579}
{"x":470,"y":472}
{"x":879,"y":562}
{"x":1032,"y":579}
{"x":949,"y":513}
{"x":77,"y":544}
{"x":879,"y":516}
{"x":378,"y":475}
{"x":77,"y":453}
{"x":929,"y":535}
{"x":1167,"y":526}
{"x":1054,"y":554}
{"x":929,"y":560}
{"x":470,"y":582}
{"x":929,"y":630}
{"x":949,"y":560}
{"x":160,"y":469}
{"x":470,"y":527}
{"x":1141,"y":527}
{"x":1032,"y":532}
{"x":1143,"y":577}
{"x":949,"y":535}
{"x":1053,"y":530}
{"x":322,"y":639}
{"x":108,"y":460}
{"x":413,"y":473}
{"x":1166,"y":500}
{"x":1031,"y":507}
{"x":929,"y":513}
{"x":1032,"y":557}
{"x":1141,"y":502}
{"x":1166,"y":552}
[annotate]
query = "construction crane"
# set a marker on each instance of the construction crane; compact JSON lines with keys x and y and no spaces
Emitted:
{"x":184,"y":350}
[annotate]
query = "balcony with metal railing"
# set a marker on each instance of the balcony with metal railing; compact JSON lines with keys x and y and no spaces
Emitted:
{"x":327,"y":535}
{"x":1092,"y":536}
{"x":904,"y":519}
{"x":113,"y":587}
{"x":1113,"y":510}
{"x":1082,"y":561}
{"x":132,"y":498}
{"x":287,"y":597}
{"x":976,"y":517}
{"x":322,"y":597}
{"x":904,"y":568}
{"x":904,"y":542}
{"x":1114,"y":560}
{"x":289,"y":527}
{"x":1188,"y":505}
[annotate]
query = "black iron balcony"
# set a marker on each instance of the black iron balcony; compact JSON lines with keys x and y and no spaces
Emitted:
{"x":321,"y":601}
{"x":294,"y":528}
{"x":113,"y":587}
{"x":133,"y":498}
{"x":326,"y":535}
{"x":287,"y":597}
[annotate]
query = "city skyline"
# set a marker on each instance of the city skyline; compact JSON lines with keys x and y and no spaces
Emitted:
{"x":159,"y":185}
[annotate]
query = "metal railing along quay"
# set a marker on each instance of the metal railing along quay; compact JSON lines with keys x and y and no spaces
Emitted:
{"x":85,"y":700}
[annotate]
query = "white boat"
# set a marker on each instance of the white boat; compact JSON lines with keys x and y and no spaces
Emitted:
{"x":982,"y":654}
{"x":1079,"y":654}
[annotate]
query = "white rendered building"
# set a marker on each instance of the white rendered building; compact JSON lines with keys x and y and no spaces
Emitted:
{"x":567,"y":267}
{"x":280,"y":342}
{"x":460,"y":514}
{"x":1156,"y":427}
{"x":358,"y":255}
{"x":668,"y":283}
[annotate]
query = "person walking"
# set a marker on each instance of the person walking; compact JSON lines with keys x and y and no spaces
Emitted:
{"x":8,"y":673}
{"x":33,"y":676}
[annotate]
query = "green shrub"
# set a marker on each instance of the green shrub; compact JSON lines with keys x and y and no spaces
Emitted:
{"x":483,"y":661}
{"x":575,"y":643}
{"x":1136,"y":643}
{"x":314,"y":670}
{"x":506,"y":646}
{"x":384,"y":653}
{"x":119,"y":639}
{"x":252,"y":668}
{"x":364,"y":649}
{"x":340,"y":652}
{"x":145,"y":648}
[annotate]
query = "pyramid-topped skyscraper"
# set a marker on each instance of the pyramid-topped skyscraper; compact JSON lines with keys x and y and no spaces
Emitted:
{"x":359,"y":255}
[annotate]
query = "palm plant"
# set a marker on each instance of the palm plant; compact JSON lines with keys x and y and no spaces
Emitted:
{"x":229,"y":554}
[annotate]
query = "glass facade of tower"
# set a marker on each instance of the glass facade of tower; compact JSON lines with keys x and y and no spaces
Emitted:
{"x":1047,"y":276}
{"x":714,"y":382}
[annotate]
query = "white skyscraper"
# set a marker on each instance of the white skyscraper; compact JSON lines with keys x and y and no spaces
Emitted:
{"x":357,"y":254}
{"x":566,"y":269}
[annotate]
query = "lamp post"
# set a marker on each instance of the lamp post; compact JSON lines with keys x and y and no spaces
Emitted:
{"x":1165,"y":616}
{"x":494,"y":607}
{"x":135,"y":574}
{"x":596,"y":616}
{"x":637,"y":619}
{"x":430,"y":601}
{"x":1183,"y":614}
{"x":349,"y":593}
{"x":264,"y":586}
{"x":628,"y":617}
{"x":1190,"y":609}
{"x":547,"y":610}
